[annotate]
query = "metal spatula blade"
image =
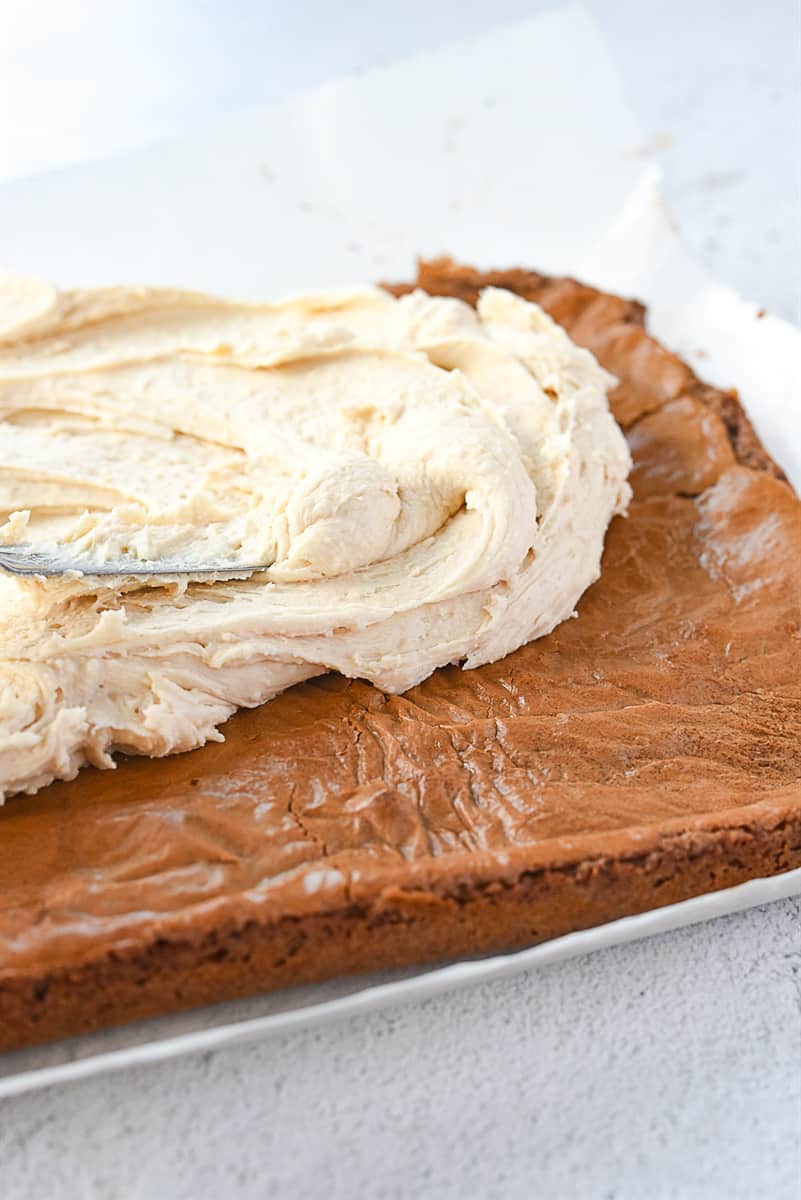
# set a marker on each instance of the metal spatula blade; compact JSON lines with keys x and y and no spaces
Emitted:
{"x":24,"y":559}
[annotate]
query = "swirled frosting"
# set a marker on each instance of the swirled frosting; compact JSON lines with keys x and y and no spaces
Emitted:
{"x":423,"y":483}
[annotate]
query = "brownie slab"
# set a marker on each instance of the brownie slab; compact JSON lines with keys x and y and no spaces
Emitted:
{"x":644,"y":753}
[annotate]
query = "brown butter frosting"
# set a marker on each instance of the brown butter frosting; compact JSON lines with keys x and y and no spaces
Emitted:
{"x":423,"y":483}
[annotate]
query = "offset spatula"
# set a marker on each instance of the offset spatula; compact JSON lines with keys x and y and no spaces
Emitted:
{"x":25,"y":559}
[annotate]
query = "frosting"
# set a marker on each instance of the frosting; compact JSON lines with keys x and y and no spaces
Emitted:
{"x":423,"y":485}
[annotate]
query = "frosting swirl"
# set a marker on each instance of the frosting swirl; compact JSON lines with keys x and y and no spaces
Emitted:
{"x":424,"y":484}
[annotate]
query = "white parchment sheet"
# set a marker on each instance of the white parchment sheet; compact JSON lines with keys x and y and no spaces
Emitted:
{"x":515,"y":148}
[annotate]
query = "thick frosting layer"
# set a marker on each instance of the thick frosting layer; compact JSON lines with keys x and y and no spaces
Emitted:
{"x":424,"y":483}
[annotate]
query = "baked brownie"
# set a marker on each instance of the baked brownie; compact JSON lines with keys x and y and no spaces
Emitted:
{"x":645,"y":753}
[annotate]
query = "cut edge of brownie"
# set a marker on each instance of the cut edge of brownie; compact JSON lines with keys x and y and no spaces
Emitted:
{"x":406,"y":928}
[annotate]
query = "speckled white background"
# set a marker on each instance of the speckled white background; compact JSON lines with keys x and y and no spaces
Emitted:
{"x":669,"y":1068}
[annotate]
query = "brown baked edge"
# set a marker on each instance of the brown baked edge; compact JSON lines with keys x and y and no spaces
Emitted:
{"x":405,"y":928}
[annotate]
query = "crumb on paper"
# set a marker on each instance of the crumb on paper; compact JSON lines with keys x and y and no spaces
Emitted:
{"x":661,"y":141}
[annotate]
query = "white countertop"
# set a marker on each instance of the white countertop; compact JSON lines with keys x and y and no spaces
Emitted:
{"x":667,"y":1068}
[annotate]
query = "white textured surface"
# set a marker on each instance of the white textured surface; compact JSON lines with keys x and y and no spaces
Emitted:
{"x":667,"y":1068}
